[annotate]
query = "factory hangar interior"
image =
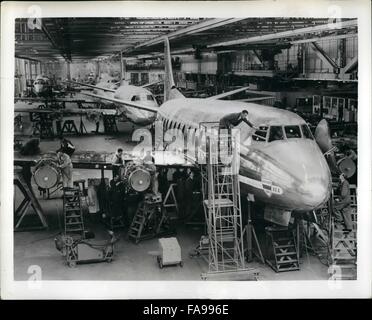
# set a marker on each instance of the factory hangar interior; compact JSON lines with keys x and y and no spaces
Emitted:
{"x":87,"y":87}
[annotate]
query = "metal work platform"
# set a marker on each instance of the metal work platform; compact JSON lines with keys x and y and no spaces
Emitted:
{"x":344,"y":245}
{"x":222,"y":208}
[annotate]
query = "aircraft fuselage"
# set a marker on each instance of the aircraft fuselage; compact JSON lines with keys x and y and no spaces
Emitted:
{"x":281,"y":165}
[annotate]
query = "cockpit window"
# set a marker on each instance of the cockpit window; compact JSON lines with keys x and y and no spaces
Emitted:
{"x":292,"y":132}
{"x":276,"y":133}
{"x":306,"y":132}
{"x":150,"y":97}
{"x":260,"y":135}
{"x":135,"y":98}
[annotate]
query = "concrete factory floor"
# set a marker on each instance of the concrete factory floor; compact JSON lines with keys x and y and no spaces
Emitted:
{"x":131,"y":261}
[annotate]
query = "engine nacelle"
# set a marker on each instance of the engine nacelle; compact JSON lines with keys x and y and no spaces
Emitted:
{"x":47,"y":175}
{"x":137,"y":177}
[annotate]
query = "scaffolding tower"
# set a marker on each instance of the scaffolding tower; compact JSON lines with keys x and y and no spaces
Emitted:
{"x":222,"y":207}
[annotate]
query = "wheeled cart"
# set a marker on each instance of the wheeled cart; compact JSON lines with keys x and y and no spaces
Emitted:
{"x":85,"y":251}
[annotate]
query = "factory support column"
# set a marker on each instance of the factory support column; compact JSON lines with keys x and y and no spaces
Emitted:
{"x":98,"y":71}
{"x":30,"y":69}
{"x":122,"y":68}
{"x":68,"y":71}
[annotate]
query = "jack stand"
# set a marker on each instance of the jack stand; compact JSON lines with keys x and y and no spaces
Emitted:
{"x":69,"y":127}
{"x":250,"y":231}
{"x":29,"y":200}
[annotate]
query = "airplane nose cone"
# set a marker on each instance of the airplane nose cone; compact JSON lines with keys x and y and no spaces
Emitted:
{"x":305,"y":163}
{"x":314,"y":193}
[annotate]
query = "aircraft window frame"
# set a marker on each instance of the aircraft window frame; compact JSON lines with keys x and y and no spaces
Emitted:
{"x":299,"y":131}
{"x":270,"y":131}
{"x":151,"y":97}
{"x":311,"y":137}
{"x":259,"y":137}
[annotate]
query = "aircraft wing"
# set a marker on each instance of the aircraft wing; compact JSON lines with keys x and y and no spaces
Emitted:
{"x":66,"y":111}
{"x":122,"y":102}
{"x":91,"y":86}
{"x":151,"y":84}
{"x":43,"y":100}
{"x":226,"y":94}
{"x":256,"y":99}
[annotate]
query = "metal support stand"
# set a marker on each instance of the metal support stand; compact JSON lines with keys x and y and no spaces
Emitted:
{"x":252,"y":236}
{"x":69,"y":127}
{"x":29,"y":200}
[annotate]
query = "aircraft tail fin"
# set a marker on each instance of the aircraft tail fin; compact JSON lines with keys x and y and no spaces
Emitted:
{"x":170,"y":90}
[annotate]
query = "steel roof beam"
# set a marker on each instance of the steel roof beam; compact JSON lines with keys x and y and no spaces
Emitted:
{"x":202,"y":26}
{"x":289,"y":33}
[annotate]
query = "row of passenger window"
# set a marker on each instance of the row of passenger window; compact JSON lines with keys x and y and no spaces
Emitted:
{"x":274,"y":133}
{"x":169,"y":124}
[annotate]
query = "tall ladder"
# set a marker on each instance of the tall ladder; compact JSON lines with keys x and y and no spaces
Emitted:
{"x":222,"y":208}
{"x":73,"y":214}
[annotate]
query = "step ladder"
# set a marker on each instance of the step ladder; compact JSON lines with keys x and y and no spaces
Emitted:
{"x":170,"y":203}
{"x":73,"y":214}
{"x":282,"y":254}
{"x":344,"y":245}
{"x":149,"y":220}
{"x":222,"y":208}
{"x":343,"y":254}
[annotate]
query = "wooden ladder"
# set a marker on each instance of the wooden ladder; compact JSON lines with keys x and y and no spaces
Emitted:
{"x":147,"y":222}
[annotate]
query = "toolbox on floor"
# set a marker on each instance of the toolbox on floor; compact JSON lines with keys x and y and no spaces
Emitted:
{"x":170,"y":252}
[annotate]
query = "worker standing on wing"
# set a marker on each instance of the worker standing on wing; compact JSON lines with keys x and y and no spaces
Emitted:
{"x":65,"y":164}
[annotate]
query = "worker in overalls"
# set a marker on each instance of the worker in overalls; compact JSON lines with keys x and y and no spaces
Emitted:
{"x":65,"y":164}
{"x":342,"y":204}
{"x":67,"y":146}
{"x":117,"y":162}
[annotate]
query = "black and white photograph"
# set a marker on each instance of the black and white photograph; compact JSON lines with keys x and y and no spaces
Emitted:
{"x":201,"y":149}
